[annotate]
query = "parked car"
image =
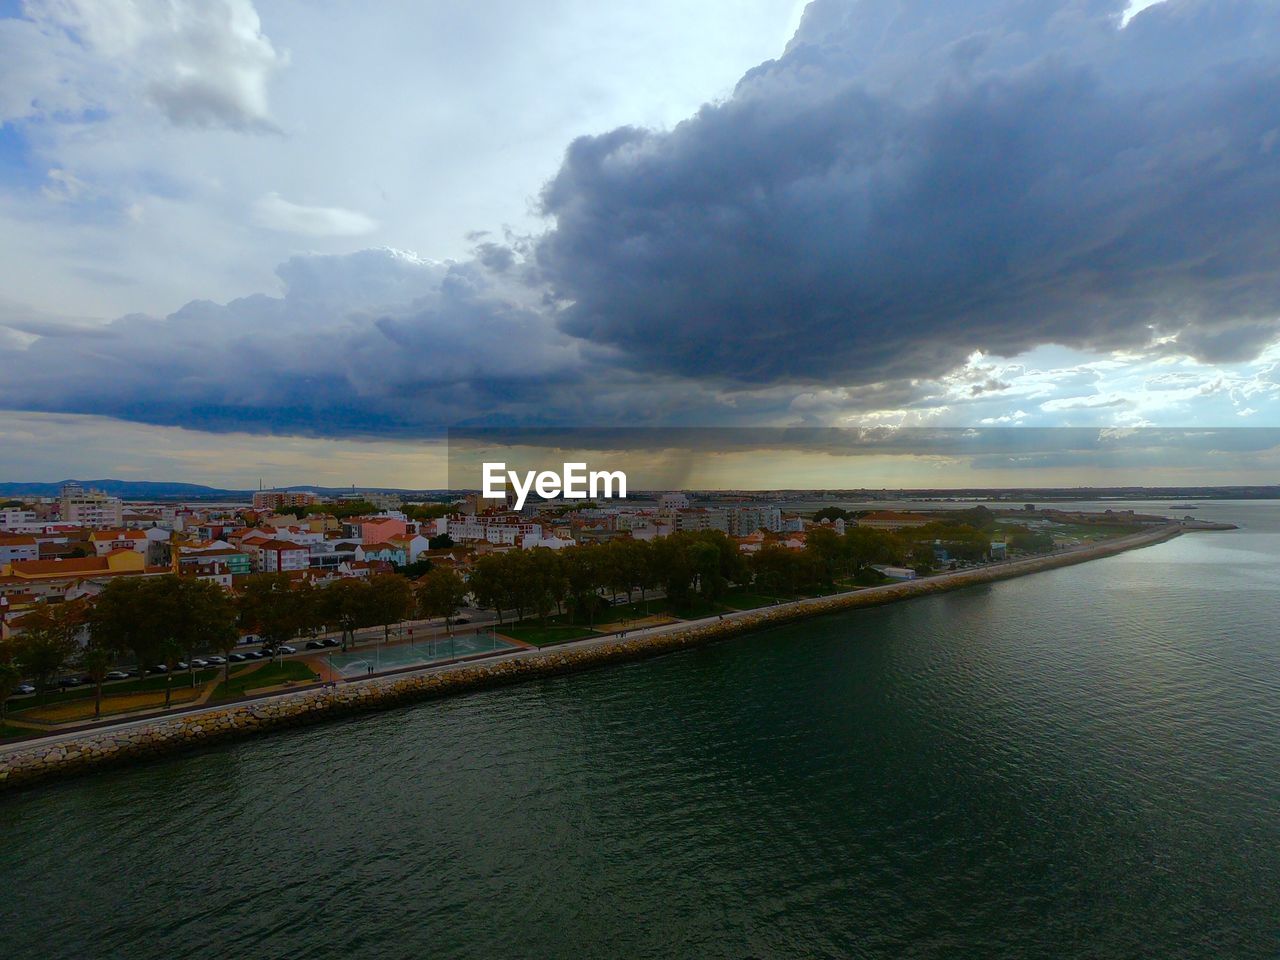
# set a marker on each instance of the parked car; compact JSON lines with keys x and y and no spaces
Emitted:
{"x":217,"y":661}
{"x":315,"y":645}
{"x":24,"y":689}
{"x":116,"y":675}
{"x":331,"y":642}
{"x":182,"y":665}
{"x":158,"y":668}
{"x":66,"y":682}
{"x":199,"y":663}
{"x":285,"y":648}
{"x":461,"y":620}
{"x":256,"y":654}
{"x":237,"y":657}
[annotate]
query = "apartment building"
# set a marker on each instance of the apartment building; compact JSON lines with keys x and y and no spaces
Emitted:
{"x":89,"y":508}
{"x":283,"y":499}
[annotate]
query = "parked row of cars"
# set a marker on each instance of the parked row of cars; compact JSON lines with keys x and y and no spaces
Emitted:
{"x":196,"y":663}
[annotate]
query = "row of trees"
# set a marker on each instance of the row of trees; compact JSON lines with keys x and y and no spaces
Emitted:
{"x":167,"y":619}
{"x":703,"y":566}
{"x":684,"y":565}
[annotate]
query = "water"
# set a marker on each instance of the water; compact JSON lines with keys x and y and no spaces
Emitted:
{"x":1082,"y":763}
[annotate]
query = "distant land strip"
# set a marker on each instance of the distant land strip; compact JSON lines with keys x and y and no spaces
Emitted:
{"x":27,"y":762}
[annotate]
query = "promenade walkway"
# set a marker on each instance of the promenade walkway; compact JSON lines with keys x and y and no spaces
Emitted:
{"x":877,"y":594}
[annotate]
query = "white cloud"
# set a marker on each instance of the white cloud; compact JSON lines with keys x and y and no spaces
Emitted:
{"x":203,"y":63}
{"x":62,"y":185}
{"x":276,"y":213}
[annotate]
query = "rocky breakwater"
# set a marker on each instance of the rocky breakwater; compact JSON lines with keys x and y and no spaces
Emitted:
{"x":140,"y":740}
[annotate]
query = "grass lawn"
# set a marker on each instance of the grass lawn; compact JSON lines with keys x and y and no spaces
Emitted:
{"x":660,"y":607}
{"x":269,"y":675}
{"x":1092,"y":531}
{"x":81,"y":709}
{"x":181,"y":681}
{"x":539,"y":636}
{"x":132,"y":686}
{"x":746,"y":600}
{"x":7,"y":732}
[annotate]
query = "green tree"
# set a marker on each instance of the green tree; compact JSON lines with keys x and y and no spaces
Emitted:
{"x":391,"y":600}
{"x":48,"y":640}
{"x":10,"y":677}
{"x":96,"y":660}
{"x":427,"y":511}
{"x":1029,"y":541}
{"x":268,"y":607}
{"x":202,"y":617}
{"x":161,"y":620}
{"x":440,"y":594}
{"x":775,"y":570}
{"x":824,"y":546}
{"x":348,"y":605}
{"x":831,"y":513}
{"x":416,"y":570}
{"x":124,"y":619}
{"x":582,"y":578}
{"x":487,"y":583}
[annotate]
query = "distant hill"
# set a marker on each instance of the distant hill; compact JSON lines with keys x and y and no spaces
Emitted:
{"x":125,"y":489}
{"x":165,"y":490}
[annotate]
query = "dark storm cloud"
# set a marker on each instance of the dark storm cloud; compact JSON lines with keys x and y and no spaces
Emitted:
{"x":375,"y":342}
{"x":912,"y":181}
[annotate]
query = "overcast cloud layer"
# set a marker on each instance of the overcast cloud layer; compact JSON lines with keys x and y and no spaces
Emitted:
{"x":909,"y":193}
{"x":913,"y":181}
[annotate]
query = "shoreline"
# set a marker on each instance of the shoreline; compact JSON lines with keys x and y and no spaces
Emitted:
{"x":27,"y":762}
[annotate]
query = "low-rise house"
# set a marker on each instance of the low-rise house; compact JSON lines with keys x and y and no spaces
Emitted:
{"x":18,"y":547}
{"x":414,"y":546}
{"x":381,"y":528}
{"x":57,"y":578}
{"x":107,"y":541}
{"x":237,"y":562}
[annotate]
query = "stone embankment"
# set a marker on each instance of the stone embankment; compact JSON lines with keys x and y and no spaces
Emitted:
{"x":26,"y":763}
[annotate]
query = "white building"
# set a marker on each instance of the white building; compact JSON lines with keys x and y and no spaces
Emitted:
{"x":279,"y":556}
{"x":673,"y":501}
{"x":896,"y":573}
{"x":16,"y":518}
{"x":491,"y":530}
{"x":746,"y":520}
{"x":89,"y":508}
{"x":705,"y":519}
{"x":551,"y":543}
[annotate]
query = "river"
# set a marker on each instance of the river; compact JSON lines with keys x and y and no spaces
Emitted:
{"x":1078,"y":763}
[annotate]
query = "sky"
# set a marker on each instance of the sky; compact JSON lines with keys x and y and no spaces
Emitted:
{"x":298,"y":241}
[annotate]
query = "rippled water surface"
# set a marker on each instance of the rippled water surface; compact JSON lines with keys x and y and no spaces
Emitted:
{"x":1081,"y":763}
